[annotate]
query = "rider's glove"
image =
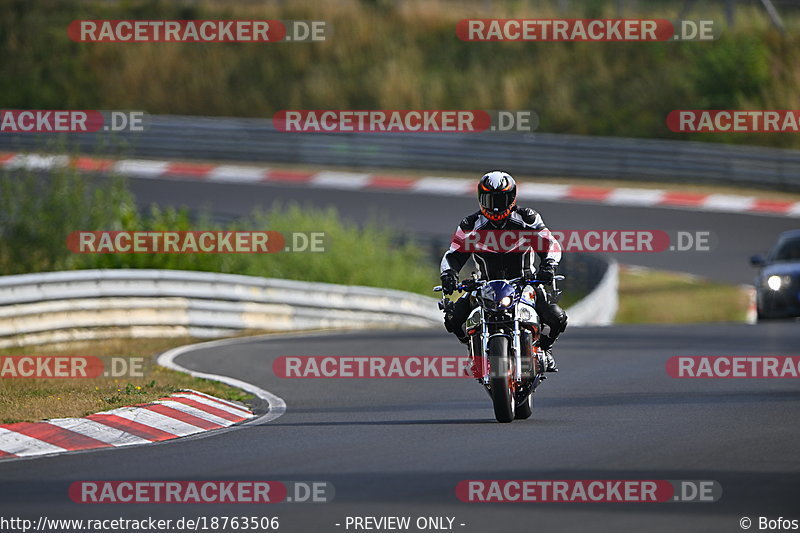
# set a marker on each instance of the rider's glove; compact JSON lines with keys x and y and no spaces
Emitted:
{"x":546,"y":272}
{"x":449,"y":281}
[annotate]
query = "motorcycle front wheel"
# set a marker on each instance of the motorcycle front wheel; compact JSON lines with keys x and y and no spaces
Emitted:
{"x":500,"y":380}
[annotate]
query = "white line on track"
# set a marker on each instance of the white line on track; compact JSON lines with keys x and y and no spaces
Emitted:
{"x":276,"y":404}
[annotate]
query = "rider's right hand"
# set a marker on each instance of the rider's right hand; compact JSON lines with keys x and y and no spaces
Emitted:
{"x":449,"y":281}
{"x":546,"y":272}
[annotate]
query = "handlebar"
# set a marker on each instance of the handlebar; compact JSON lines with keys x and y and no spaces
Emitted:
{"x":471,"y":284}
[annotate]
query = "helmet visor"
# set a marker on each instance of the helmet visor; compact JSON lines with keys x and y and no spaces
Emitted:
{"x":494,"y":201}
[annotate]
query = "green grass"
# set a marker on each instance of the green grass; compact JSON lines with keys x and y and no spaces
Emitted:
{"x":396,"y":55}
{"x":657,"y":297}
{"x":29,"y":400}
{"x":37,"y":214}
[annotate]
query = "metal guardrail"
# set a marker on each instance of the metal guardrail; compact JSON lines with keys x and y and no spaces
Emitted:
{"x":84,"y":304}
{"x":98,"y":304}
{"x":535,"y":154}
{"x":600,"y":306}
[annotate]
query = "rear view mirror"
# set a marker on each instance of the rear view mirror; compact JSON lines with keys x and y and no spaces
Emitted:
{"x":757,"y":261}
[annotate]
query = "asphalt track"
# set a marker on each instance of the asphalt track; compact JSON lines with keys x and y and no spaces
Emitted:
{"x":399,"y":447}
{"x":733,"y":237}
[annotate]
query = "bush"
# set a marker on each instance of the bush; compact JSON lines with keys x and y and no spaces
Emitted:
{"x":400,"y":55}
{"x":37,"y":213}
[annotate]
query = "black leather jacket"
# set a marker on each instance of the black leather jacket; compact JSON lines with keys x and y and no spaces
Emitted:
{"x":503,"y":264}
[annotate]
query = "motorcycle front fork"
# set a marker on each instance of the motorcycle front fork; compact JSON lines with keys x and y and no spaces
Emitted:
{"x":516,"y":344}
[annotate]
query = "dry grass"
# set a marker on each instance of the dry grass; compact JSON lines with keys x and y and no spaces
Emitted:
{"x":39,"y":399}
{"x":396,"y":55}
{"x":658,"y":297}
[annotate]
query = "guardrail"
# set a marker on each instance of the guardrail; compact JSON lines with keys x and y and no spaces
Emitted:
{"x":599,"y":307}
{"x":535,"y":154}
{"x":84,"y":304}
{"x":98,"y":304}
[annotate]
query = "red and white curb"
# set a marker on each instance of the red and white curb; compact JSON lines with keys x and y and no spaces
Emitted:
{"x":621,"y":196}
{"x":181,"y":414}
{"x":178,"y":415}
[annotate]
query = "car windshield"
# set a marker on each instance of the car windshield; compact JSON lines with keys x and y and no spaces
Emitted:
{"x":787,"y":251}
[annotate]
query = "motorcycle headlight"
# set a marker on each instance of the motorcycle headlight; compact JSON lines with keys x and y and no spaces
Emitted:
{"x":505,"y":301}
{"x":524,"y":314}
{"x":776,"y":282}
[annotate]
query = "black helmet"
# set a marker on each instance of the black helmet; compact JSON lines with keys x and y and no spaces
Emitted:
{"x":497,"y":194}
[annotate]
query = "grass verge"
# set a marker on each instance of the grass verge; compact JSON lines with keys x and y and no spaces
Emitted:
{"x":30,"y":400}
{"x":659,"y":297}
{"x":37,"y":214}
{"x":383,"y":54}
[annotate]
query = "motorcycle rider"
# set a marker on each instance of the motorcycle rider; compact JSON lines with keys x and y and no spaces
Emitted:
{"x":497,"y":197}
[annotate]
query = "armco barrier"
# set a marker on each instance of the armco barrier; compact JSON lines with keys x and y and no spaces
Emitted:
{"x":57,"y":306}
{"x":98,"y":304}
{"x":534,"y":154}
{"x":599,"y":307}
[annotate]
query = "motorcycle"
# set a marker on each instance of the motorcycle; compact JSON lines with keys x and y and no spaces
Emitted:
{"x":503,"y":330}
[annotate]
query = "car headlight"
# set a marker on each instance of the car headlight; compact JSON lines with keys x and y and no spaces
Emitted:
{"x":776,"y":282}
{"x":506,"y":301}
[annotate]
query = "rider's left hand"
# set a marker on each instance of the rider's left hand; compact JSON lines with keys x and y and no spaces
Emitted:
{"x":449,"y":281}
